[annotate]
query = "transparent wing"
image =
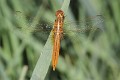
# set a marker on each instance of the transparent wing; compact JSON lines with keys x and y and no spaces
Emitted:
{"x":89,"y":24}
{"x":84,"y":28}
{"x":32,"y":25}
{"x":47,"y":27}
{"x":43,"y":28}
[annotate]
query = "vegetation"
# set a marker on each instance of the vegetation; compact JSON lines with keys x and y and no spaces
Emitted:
{"x":26,"y":53}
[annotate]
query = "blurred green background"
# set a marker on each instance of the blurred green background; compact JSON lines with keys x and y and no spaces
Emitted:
{"x":85,"y":57}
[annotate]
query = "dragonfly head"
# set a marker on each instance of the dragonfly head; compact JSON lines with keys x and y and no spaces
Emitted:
{"x":60,"y":14}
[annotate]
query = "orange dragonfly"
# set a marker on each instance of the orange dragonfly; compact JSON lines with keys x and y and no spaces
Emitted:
{"x":57,"y":34}
{"x":58,"y":30}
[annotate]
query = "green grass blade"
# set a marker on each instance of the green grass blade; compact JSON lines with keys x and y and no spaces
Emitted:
{"x":65,"y":6}
{"x":43,"y":63}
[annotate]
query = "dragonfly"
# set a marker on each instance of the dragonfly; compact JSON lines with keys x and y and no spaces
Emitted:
{"x":57,"y":34}
{"x":58,"y":31}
